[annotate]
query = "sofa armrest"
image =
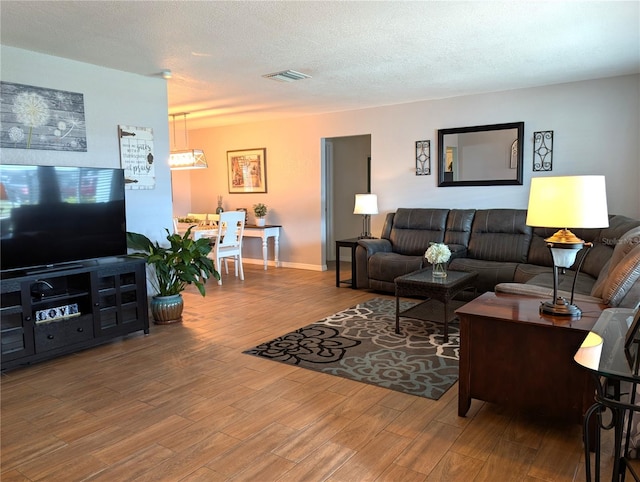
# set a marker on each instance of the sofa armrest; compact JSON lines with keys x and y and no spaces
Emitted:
{"x":365,"y":249}
{"x":541,"y":292}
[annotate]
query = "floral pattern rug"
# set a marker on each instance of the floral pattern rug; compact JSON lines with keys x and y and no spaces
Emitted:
{"x":360,"y":343}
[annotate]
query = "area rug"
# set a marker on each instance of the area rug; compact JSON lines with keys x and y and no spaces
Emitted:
{"x":360,"y":343}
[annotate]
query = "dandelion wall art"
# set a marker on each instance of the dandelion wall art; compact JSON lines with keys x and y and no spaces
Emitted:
{"x":38,"y":118}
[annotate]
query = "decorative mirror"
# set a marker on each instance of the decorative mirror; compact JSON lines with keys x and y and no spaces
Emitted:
{"x":488,"y":155}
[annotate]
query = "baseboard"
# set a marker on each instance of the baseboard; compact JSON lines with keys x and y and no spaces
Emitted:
{"x":285,"y":264}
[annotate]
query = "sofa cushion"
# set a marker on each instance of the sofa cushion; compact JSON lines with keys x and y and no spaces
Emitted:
{"x":526,"y":271}
{"x":500,"y":235}
{"x":490,"y":273}
{"x":584,"y":283}
{"x":388,"y":266}
{"x":414,"y":229}
{"x":459,"y":224}
{"x":541,"y":292}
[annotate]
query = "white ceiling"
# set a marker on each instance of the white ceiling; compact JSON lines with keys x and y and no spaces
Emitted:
{"x":359,"y":54}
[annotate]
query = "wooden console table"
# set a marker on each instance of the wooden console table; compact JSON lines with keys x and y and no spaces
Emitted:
{"x":252,"y":231}
{"x":266,"y":232}
{"x":513,"y":356}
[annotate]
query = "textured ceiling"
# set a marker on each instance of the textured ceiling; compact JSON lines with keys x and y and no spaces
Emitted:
{"x":359,"y":54}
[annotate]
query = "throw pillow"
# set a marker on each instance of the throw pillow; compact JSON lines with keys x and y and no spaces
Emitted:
{"x":626,"y":243}
{"x":622,"y":278}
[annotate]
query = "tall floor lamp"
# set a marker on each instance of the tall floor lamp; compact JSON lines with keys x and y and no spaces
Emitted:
{"x":566,"y":202}
{"x":366,"y":204}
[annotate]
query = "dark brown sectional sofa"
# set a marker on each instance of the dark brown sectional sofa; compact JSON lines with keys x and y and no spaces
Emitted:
{"x":508,"y":255}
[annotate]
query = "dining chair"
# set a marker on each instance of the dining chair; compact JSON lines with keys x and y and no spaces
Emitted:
{"x":228,"y":242}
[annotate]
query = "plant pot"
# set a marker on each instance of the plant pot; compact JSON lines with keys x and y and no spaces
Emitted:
{"x":167,"y":309}
{"x":261,"y":221}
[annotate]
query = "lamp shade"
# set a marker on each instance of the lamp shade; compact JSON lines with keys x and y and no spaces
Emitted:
{"x":568,"y":202}
{"x":588,"y":355}
{"x":366,"y":204}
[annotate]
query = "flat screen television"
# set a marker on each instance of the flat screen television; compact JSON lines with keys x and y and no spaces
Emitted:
{"x":51,"y":215}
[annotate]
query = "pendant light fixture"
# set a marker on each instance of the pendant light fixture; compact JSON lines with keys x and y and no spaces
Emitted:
{"x":185,"y":158}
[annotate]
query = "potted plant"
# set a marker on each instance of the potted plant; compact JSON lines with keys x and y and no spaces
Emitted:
{"x":260,"y":211}
{"x":182,"y":263}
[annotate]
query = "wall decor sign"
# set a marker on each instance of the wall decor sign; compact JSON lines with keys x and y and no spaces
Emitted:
{"x":423,"y":158}
{"x":44,"y":119}
{"x":543,"y":151}
{"x":247,"y":170}
{"x":136,"y":157}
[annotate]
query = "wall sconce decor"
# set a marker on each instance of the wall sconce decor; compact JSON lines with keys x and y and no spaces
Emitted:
{"x":543,"y":151}
{"x":423,"y":158}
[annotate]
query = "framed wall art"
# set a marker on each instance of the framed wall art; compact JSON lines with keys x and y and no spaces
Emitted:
{"x":136,"y":157}
{"x":246,"y":170}
{"x":39,"y":118}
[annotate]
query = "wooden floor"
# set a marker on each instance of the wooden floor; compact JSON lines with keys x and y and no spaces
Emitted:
{"x":184,"y":404}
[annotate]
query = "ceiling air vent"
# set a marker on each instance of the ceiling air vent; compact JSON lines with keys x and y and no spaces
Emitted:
{"x":287,"y":76}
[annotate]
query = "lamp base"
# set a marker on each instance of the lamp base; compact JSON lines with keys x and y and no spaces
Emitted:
{"x":561,"y":307}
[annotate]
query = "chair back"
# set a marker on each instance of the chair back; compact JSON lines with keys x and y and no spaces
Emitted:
{"x":230,"y":229}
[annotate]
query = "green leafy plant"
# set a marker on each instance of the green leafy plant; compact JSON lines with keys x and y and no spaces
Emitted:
{"x":182,"y":263}
{"x":260,"y":210}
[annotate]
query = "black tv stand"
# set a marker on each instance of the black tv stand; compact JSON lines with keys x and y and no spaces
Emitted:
{"x":54,"y":312}
{"x":52,"y":269}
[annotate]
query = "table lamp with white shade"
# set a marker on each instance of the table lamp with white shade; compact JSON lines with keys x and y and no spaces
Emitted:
{"x":566,"y":202}
{"x":366,"y":204}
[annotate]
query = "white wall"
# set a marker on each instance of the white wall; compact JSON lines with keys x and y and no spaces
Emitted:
{"x":595,"y":123}
{"x":111,"y":98}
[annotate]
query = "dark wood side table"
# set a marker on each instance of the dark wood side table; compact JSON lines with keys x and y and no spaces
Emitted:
{"x":513,"y":356}
{"x":351,"y":243}
{"x":422,"y":283}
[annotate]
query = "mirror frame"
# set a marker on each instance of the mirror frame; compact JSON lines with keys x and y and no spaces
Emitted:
{"x":484,"y":182}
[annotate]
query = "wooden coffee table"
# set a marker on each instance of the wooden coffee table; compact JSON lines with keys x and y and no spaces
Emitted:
{"x":513,"y":356}
{"x":422,"y":283}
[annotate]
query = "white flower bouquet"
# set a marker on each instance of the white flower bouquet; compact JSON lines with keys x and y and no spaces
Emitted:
{"x":438,"y":253}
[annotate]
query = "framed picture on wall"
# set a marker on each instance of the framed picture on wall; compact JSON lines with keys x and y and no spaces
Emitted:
{"x":246,"y":170}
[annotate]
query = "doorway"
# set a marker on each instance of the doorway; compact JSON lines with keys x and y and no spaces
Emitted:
{"x":347,"y":172}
